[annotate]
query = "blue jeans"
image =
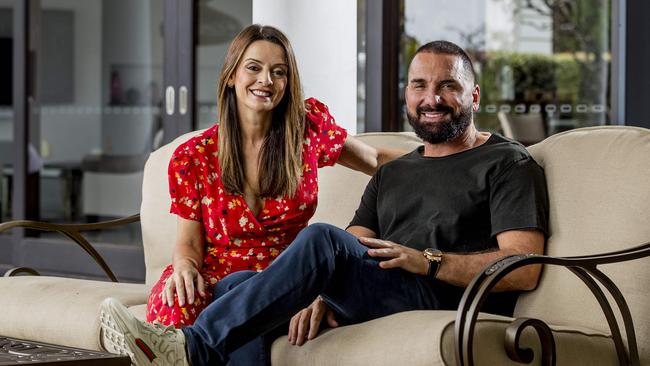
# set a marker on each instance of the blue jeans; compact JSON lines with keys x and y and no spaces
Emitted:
{"x":322,"y":260}
{"x":258,"y":351}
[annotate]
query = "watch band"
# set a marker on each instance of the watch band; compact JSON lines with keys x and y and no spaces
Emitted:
{"x":434,"y":256}
{"x":433,"y":269}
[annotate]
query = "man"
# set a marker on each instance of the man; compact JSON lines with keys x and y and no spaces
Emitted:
{"x":478,"y":197}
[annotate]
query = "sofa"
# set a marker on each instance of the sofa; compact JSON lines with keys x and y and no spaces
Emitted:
{"x":598,"y":181}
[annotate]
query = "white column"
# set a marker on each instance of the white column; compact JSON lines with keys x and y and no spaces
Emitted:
{"x":324,"y":37}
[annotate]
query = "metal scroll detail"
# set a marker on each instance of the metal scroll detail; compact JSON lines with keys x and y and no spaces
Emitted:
{"x":525,"y":355}
{"x":72,"y":231}
{"x":585,"y":268}
{"x":18,"y":270}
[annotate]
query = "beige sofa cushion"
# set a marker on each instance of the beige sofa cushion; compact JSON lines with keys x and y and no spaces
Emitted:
{"x":58,"y":310}
{"x":599,"y":191}
{"x":427,"y":338}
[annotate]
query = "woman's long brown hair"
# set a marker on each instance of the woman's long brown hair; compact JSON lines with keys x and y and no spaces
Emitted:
{"x":280,"y":159}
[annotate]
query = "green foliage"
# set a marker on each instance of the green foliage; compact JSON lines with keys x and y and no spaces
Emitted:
{"x":535,"y":79}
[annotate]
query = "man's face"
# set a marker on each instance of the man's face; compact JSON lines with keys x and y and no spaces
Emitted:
{"x":440,"y":97}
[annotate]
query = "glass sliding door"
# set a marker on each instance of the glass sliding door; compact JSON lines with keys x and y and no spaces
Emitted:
{"x":94,"y":97}
{"x":107,"y":82}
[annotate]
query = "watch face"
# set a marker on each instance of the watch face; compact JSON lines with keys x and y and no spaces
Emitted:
{"x":433,"y":254}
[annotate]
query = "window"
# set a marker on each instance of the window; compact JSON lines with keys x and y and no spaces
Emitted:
{"x":543,"y":67}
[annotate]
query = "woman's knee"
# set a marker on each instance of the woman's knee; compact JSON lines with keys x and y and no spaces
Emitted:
{"x":231,"y":281}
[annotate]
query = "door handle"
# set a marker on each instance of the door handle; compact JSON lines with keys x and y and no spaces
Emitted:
{"x":170,"y":100}
{"x":182,"y":100}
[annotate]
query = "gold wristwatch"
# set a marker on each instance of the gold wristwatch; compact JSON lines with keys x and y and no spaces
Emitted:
{"x":434,"y":256}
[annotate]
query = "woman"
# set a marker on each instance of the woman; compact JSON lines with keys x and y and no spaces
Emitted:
{"x":245,"y":187}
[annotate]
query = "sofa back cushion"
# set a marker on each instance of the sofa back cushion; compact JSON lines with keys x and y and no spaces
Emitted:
{"x":158,"y":225}
{"x":340,"y":189}
{"x":340,"y":192}
{"x":599,"y":192}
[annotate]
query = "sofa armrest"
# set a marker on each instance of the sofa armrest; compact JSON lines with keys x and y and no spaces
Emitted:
{"x":585,"y":268}
{"x":73,"y":232}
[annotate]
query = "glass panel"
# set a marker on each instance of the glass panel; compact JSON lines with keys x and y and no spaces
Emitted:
{"x":99,"y":88}
{"x":543,"y":67}
{"x":6,"y":109}
{"x":219,"y":22}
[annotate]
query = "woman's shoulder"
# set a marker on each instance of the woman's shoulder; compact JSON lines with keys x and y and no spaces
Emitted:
{"x":316,"y":114}
{"x":198,"y":144}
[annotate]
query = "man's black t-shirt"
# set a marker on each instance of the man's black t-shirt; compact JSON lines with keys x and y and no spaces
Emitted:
{"x":457,"y":203}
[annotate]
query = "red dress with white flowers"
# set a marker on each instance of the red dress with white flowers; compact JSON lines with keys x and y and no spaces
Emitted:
{"x":235,"y":239}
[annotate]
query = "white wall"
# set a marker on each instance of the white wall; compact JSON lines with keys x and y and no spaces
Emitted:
{"x":324,"y":37}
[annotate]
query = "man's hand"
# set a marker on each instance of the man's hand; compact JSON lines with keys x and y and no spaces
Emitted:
{"x":406,"y":258}
{"x":307,"y":322}
{"x":185,"y":279}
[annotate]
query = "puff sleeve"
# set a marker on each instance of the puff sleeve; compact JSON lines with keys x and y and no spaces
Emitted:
{"x":328,"y":136}
{"x":184,"y":184}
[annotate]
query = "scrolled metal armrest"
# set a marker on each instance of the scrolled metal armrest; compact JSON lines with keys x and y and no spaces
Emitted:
{"x":584,"y":267}
{"x":17,"y":270}
{"x":72,"y":231}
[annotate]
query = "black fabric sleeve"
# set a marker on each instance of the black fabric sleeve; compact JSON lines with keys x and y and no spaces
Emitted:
{"x":519,"y":199}
{"x":366,"y":214}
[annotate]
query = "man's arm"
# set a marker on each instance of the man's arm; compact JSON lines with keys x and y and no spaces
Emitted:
{"x":460,"y":269}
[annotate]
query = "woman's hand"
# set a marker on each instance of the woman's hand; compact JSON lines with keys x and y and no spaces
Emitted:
{"x":188,"y":255}
{"x":307,"y":322}
{"x":184,"y":282}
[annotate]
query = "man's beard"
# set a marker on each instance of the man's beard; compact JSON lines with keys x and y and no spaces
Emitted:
{"x":443,"y":131}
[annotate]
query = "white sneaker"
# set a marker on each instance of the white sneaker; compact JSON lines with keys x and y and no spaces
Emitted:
{"x":146,"y":344}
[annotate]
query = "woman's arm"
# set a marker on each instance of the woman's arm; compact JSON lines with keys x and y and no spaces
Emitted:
{"x":360,"y":156}
{"x":186,"y":260}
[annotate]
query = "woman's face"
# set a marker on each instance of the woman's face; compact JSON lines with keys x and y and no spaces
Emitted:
{"x":260,"y":78}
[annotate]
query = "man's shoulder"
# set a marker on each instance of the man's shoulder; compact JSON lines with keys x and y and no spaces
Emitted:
{"x":505,"y":150}
{"x":505,"y":145}
{"x":402,"y":161}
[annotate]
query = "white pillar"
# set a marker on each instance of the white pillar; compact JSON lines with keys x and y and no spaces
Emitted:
{"x":324,"y":37}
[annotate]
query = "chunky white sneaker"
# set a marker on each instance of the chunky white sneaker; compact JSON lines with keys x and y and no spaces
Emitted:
{"x":146,"y":344}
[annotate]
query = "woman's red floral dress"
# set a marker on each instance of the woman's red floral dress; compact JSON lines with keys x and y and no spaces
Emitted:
{"x":235,"y":239}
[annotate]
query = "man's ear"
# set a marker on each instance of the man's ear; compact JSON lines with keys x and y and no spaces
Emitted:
{"x":476,"y":97}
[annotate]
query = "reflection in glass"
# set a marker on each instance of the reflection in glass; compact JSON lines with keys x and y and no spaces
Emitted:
{"x":219,"y":22}
{"x":97,"y":112}
{"x":537,"y":61}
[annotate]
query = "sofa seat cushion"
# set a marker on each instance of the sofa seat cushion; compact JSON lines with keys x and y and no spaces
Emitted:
{"x":427,"y":338}
{"x":140,"y":311}
{"x":58,"y":310}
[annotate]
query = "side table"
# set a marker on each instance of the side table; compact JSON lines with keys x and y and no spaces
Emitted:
{"x":21,"y":352}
